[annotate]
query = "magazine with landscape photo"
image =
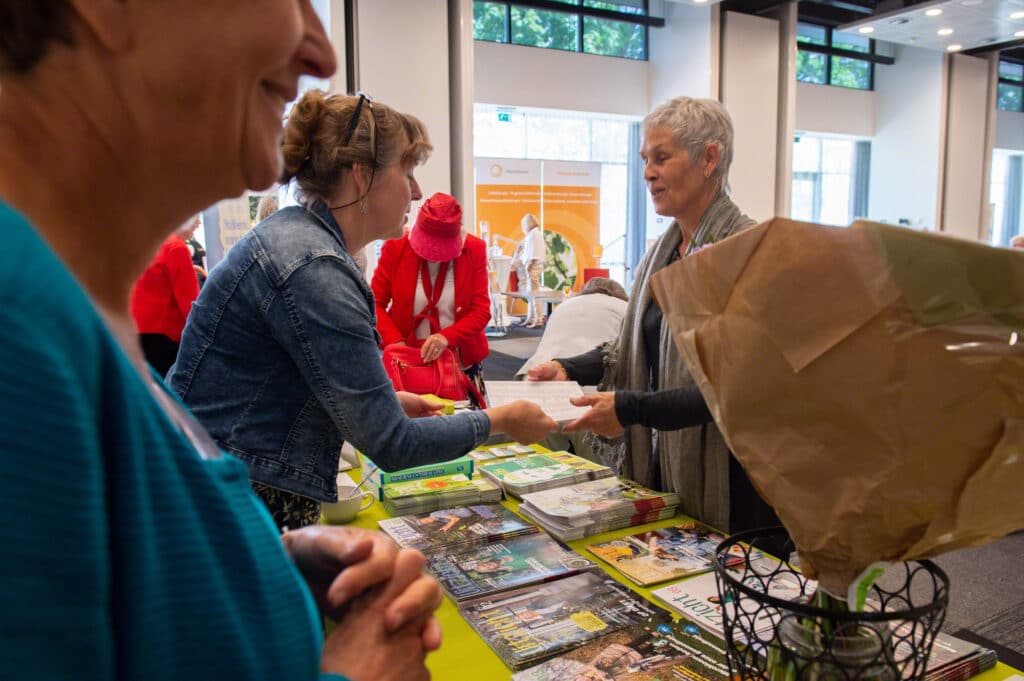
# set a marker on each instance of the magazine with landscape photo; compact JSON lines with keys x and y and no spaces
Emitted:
{"x":664,"y":554}
{"x":489,"y":568}
{"x":478,"y":524}
{"x":535,"y":622}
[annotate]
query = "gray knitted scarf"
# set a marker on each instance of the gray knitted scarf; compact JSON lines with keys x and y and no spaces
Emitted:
{"x":694,"y":461}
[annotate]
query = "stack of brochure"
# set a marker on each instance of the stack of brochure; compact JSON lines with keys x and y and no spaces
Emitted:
{"x":430,"y":494}
{"x":527,"y":625}
{"x":589,"y":508}
{"x":487,"y":569}
{"x":452,"y":528}
{"x":666,"y":553}
{"x":538,"y":472}
{"x":504,"y":452}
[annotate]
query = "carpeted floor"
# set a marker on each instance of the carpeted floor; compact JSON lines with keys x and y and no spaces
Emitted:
{"x":986,"y":602}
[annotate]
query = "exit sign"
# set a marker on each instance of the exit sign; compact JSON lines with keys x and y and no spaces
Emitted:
{"x":504,"y":117}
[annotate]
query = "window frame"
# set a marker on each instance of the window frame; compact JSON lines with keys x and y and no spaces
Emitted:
{"x":830,"y":51}
{"x":1019,"y":84}
{"x":582,"y":11}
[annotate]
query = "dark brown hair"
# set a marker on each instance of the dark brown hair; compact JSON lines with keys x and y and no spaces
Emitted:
{"x":317,"y":126}
{"x":27,"y":28}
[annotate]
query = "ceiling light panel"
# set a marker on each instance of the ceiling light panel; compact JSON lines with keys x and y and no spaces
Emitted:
{"x":937,"y":25}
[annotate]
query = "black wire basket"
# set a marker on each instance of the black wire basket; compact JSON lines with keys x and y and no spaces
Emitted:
{"x":775,"y":632}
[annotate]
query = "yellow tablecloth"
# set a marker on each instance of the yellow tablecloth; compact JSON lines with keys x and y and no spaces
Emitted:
{"x":465,"y":657}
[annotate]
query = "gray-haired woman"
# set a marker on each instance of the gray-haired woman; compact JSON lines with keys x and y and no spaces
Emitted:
{"x":670,"y":439}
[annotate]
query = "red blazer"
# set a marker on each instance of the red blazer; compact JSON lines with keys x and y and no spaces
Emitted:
{"x":394,"y":288}
{"x":163,"y":295}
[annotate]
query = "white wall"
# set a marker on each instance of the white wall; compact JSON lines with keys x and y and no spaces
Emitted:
{"x":750,"y":91}
{"x":965,"y":196}
{"x":905,"y":147}
{"x":1009,"y":130}
{"x":787,"y":17}
{"x":835,"y":110}
{"x":554,"y":79}
{"x":403,"y":62}
{"x":683,"y":60}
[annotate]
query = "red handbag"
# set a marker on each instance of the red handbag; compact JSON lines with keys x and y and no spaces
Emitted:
{"x":442,"y":377}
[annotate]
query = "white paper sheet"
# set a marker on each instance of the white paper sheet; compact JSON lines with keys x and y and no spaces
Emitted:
{"x":551,"y":396}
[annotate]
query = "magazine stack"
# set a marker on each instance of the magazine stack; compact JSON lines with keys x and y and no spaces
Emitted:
{"x":486,"y":569}
{"x":537,"y":472}
{"x":452,"y":528}
{"x":528,"y":625}
{"x":664,"y":554}
{"x":589,"y":508}
{"x":431,"y":494}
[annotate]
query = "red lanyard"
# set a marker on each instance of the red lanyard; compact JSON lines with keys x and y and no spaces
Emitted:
{"x":432,"y":293}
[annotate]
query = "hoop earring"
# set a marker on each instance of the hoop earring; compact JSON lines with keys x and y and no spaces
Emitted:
{"x":364,"y":205}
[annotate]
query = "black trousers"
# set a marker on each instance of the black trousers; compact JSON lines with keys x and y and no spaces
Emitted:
{"x":160,"y":351}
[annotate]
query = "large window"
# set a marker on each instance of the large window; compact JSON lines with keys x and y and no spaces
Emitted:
{"x":516,"y":132}
{"x":1011,"y":86}
{"x":830,"y":184}
{"x":614,"y":29}
{"x":829,"y":57}
{"x":1006,"y":196}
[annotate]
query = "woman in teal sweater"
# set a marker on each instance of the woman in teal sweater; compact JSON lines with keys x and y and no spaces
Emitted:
{"x":133,"y":548}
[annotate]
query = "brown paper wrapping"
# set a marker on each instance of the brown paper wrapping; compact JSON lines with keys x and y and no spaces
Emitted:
{"x":869,"y":379}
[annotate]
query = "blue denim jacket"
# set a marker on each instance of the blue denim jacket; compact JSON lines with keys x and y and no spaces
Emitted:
{"x":280,"y":361}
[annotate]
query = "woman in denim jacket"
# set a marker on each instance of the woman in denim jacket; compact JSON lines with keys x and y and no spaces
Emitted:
{"x":280,"y":359}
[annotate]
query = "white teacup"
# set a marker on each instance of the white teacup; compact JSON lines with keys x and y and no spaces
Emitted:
{"x":347,"y":506}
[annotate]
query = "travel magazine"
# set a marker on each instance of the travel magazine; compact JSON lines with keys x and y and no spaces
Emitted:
{"x":533,"y":623}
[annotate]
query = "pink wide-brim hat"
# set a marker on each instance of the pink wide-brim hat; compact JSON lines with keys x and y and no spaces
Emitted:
{"x":437,"y":234}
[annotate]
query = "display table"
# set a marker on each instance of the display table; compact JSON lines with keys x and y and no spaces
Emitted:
{"x":464,"y":656}
{"x":550,"y":298}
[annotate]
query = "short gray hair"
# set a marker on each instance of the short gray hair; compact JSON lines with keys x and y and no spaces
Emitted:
{"x":608,"y":287}
{"x":696,"y":123}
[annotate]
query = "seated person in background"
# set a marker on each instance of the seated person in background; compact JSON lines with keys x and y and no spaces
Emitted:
{"x":280,"y":358}
{"x":135,"y":548}
{"x":162,"y":297}
{"x":430,"y":287}
{"x":586,"y":320}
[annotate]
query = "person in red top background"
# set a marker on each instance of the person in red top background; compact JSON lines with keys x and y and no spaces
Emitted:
{"x":430,"y":288}
{"x":163,"y":296}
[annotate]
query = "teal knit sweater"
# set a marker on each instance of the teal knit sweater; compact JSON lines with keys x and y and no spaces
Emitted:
{"x":124,"y":554}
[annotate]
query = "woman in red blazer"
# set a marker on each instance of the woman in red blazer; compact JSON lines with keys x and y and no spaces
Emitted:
{"x":162,"y":297}
{"x":437,"y":272}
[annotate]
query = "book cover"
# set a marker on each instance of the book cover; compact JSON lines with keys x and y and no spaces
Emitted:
{"x":535,"y":471}
{"x":462,"y":465}
{"x":535,"y":622}
{"x":490,"y":568}
{"x":697,"y":598}
{"x":664,"y":554}
{"x":448,"y":527}
{"x":426,"y":487}
{"x":678,"y":651}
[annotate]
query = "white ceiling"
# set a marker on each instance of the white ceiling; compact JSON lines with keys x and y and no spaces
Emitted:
{"x":975,"y":23}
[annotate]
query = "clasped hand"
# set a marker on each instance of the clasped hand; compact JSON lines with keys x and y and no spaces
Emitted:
{"x":378,"y":594}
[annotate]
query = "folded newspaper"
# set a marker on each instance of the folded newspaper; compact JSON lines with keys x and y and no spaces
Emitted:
{"x":869,"y":379}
